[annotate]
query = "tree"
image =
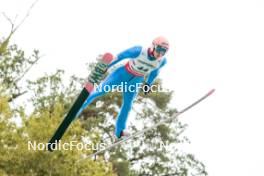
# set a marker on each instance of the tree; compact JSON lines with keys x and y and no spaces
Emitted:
{"x":14,"y":65}
{"x":17,"y":156}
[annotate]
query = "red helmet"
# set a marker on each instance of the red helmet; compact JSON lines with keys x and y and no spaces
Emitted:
{"x":162,"y":42}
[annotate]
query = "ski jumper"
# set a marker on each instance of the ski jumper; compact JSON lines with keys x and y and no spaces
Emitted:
{"x":132,"y":73}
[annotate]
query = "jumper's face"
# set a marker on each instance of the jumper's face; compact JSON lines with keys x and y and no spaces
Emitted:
{"x":159,"y":52}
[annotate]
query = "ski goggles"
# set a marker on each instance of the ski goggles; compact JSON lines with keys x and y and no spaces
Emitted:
{"x":160,"y":50}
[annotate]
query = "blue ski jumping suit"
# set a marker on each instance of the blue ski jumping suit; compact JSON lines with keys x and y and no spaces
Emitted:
{"x":139,"y":66}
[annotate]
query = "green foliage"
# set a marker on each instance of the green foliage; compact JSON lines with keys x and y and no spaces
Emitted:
{"x":49,"y":90}
{"x":13,"y":67}
{"x":18,"y":158}
{"x":4,"y":45}
{"x":50,"y":99}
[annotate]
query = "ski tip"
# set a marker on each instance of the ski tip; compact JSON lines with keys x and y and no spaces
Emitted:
{"x":107,"y":58}
{"x":89,"y":87}
{"x":211,"y":92}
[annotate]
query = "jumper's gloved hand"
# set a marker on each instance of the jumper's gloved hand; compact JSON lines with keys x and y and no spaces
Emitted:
{"x":146,"y":88}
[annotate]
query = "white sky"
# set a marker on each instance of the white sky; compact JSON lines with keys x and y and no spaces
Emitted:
{"x":214,"y":44}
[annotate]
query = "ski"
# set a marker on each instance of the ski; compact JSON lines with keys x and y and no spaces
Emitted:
{"x":152,"y":127}
{"x":94,"y":78}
